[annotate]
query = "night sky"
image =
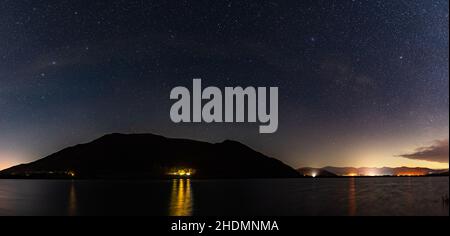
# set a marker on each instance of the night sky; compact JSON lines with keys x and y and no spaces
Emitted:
{"x":361,"y":83}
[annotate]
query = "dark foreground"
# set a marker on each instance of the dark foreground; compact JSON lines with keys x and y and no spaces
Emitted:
{"x":264,"y":197}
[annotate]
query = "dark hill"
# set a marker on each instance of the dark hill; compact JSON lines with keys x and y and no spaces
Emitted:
{"x":153,"y":156}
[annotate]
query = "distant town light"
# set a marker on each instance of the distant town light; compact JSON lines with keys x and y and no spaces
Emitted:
{"x":180,"y":171}
{"x":70,"y":173}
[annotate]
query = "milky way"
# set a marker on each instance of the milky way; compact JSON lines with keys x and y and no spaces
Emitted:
{"x":361,"y":83}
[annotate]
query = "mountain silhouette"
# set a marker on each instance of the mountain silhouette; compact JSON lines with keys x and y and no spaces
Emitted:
{"x":153,"y":156}
{"x":384,"y":171}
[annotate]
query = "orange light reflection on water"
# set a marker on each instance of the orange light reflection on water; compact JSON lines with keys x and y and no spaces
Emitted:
{"x":181,"y":198}
{"x":72,"y":208}
{"x":352,"y":197}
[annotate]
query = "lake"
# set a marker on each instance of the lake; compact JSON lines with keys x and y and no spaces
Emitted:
{"x":250,"y":197}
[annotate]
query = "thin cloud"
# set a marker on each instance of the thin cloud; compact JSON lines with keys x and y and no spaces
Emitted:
{"x":438,"y":152}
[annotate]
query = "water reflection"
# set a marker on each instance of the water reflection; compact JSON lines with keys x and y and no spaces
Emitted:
{"x":181,"y":198}
{"x":320,"y":196}
{"x":72,"y":207}
{"x":409,"y":198}
{"x":445,"y":202}
{"x":352,"y":197}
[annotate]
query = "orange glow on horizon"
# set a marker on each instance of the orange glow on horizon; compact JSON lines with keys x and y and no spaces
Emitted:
{"x":9,"y":159}
{"x":412,"y":173}
{"x":351,"y":174}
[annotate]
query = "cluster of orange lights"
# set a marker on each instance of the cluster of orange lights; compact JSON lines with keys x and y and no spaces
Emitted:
{"x":397,"y":174}
{"x":182,"y":172}
{"x":410,"y":174}
{"x":70,"y":173}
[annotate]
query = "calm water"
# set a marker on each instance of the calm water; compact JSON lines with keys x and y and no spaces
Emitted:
{"x":365,"y":196}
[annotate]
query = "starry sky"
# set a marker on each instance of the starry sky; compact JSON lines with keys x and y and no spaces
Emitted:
{"x":361,"y":82}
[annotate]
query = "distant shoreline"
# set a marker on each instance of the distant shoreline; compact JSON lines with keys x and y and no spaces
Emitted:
{"x":197,"y":178}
